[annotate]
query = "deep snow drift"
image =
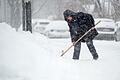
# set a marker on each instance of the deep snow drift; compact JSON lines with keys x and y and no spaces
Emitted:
{"x":26,"y":56}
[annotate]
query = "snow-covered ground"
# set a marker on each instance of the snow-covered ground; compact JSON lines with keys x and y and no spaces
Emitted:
{"x":26,"y":56}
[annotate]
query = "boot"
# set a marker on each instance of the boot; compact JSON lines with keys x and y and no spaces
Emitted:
{"x":95,"y":56}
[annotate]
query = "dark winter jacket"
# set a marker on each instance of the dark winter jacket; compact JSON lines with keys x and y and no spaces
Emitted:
{"x":80,"y":24}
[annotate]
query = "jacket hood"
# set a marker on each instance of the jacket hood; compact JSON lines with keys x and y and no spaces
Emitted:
{"x":67,"y":13}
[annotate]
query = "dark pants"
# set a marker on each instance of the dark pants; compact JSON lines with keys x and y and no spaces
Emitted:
{"x":77,"y":48}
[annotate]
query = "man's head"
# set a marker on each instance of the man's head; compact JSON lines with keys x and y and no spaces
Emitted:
{"x":68,"y":15}
{"x":69,"y":18}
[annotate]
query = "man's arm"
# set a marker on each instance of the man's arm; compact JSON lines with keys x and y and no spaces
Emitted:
{"x":73,"y":33}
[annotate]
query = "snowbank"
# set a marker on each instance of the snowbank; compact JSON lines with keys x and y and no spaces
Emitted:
{"x":21,"y":53}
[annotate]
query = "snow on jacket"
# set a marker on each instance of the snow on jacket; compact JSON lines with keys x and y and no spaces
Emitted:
{"x":79,"y":25}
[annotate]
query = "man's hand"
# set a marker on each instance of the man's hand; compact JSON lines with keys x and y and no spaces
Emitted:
{"x":74,"y":38}
{"x":73,"y":43}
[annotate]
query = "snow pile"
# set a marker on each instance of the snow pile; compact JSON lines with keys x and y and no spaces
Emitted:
{"x":22,"y":53}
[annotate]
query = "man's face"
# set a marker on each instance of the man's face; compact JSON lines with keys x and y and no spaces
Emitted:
{"x":69,"y":18}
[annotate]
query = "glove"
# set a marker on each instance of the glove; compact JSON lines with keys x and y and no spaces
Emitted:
{"x":74,"y":38}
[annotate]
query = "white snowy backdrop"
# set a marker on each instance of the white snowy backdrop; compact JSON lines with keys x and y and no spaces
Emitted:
{"x":26,"y":56}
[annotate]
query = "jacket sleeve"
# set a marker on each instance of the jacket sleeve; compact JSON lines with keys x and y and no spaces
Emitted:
{"x":73,"y":34}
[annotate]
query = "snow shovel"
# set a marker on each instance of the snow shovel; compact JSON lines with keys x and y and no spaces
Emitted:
{"x":64,"y":51}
